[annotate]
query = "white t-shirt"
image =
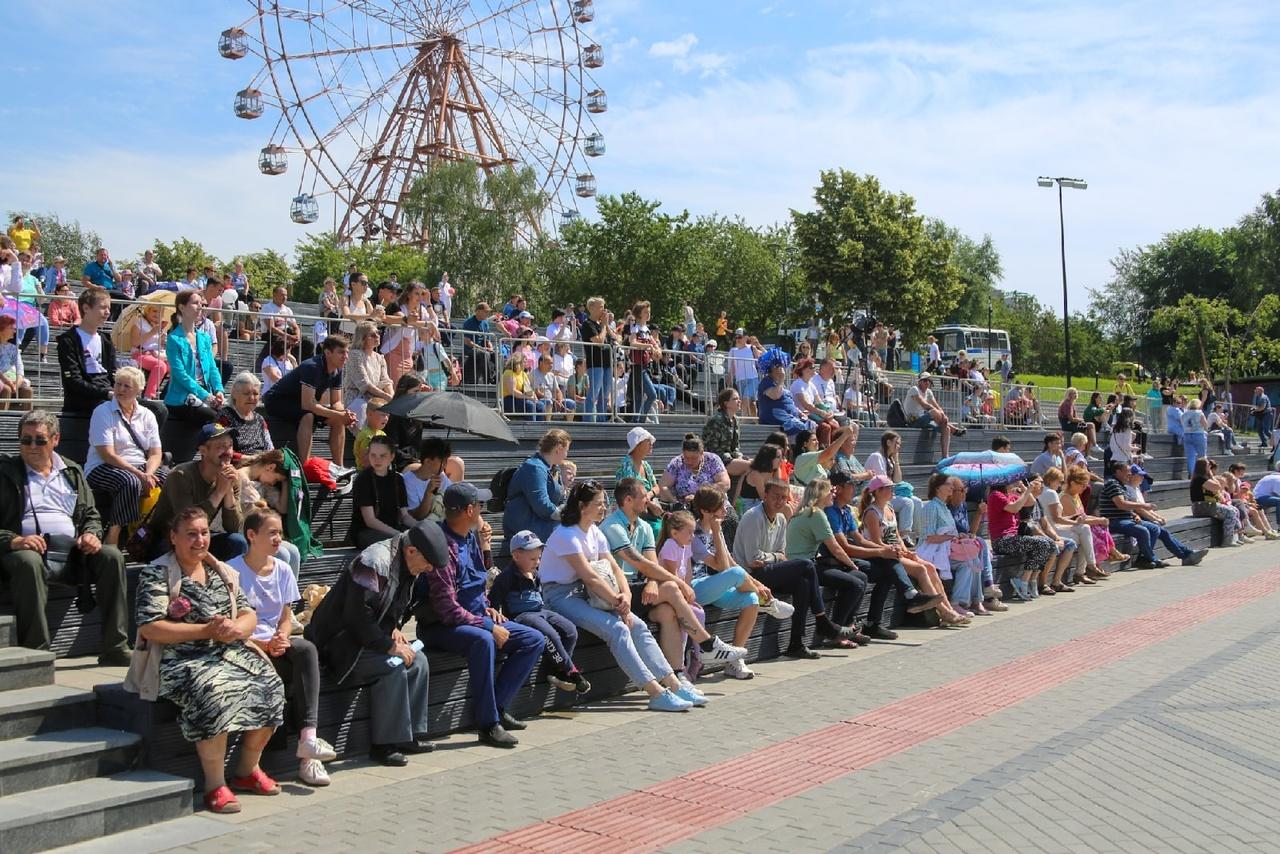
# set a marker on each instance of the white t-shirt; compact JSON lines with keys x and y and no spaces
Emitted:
{"x":569,"y":540}
{"x":92,"y":345}
{"x":802,"y":388}
{"x":272,"y":314}
{"x":1047,"y":499}
{"x":446,"y":298}
{"x":268,"y":594}
{"x":876,"y":464}
{"x":283,"y":366}
{"x":681,"y":556}
{"x":852,"y":398}
{"x":106,"y":428}
{"x":744,"y":363}
{"x":935,"y":355}
{"x":917,"y":402}
{"x":826,"y":390}
{"x":416,"y":488}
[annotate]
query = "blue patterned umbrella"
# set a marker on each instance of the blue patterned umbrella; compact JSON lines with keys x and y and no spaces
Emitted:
{"x":984,"y":469}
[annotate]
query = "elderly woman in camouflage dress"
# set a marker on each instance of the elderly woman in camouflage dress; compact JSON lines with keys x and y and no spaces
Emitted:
{"x":193,"y":606}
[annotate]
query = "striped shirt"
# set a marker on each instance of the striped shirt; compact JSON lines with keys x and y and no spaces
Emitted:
{"x":1111,"y":490}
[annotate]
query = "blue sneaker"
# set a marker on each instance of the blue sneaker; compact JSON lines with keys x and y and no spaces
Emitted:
{"x":668,"y":701}
{"x":686,"y":691}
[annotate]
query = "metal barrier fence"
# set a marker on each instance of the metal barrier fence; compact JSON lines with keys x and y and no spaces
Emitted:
{"x":673,"y":385}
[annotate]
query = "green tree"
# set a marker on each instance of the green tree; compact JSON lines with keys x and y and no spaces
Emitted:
{"x":176,"y":256}
{"x":1197,"y":261}
{"x":1256,"y":241}
{"x":1199,"y":328}
{"x":319,"y":256}
{"x":980,"y":272}
{"x":265,"y":269}
{"x":864,"y":247}
{"x":481,"y":227}
{"x":63,"y":237}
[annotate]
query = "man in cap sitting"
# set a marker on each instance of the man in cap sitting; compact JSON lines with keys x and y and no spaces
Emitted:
{"x":922,"y":411}
{"x":453,"y":614}
{"x":356,"y":628}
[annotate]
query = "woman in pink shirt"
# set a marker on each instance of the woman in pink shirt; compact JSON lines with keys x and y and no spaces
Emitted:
{"x":1035,"y":552}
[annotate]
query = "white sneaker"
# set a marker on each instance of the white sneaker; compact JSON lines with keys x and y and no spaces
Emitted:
{"x":722,"y":653}
{"x":562,"y":684}
{"x":311,"y":772}
{"x":778,"y":609}
{"x":737,"y":670}
{"x":1245,"y":541}
{"x":1233,"y":544}
{"x":316,"y":748}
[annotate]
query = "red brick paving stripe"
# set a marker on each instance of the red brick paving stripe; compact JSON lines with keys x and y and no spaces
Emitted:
{"x":699,"y":800}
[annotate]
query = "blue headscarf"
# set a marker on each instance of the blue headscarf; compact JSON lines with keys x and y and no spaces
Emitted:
{"x":769,"y":358}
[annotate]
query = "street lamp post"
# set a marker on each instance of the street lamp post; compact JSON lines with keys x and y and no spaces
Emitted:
{"x":1074,"y":184}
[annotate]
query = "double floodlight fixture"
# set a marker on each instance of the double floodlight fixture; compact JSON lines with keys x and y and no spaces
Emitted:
{"x":1069,"y":183}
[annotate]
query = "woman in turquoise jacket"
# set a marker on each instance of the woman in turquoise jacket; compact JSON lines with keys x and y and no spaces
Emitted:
{"x":195,"y":393}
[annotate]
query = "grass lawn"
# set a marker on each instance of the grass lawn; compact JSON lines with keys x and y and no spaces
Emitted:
{"x":1106,"y":385}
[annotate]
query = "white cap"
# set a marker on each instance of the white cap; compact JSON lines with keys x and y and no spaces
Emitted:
{"x":636,"y":435}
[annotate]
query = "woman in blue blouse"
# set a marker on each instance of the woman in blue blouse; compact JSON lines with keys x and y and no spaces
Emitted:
{"x":195,"y":392}
{"x":774,"y":403}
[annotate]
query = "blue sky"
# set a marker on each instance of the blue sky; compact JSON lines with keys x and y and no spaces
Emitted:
{"x":1168,"y":109}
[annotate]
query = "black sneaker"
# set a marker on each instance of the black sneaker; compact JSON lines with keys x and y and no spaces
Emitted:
{"x":800,"y":652}
{"x":923,"y":602}
{"x":1122,"y":565}
{"x":389,"y":755}
{"x":580,"y":683}
{"x":420,"y":744}
{"x":496,"y":736}
{"x":1146,"y":564}
{"x":880,"y":633}
{"x":510,"y":722}
{"x":1195,"y":557}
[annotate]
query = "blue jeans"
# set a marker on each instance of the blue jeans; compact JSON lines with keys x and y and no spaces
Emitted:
{"x":226,"y":546}
{"x":1270,"y":501}
{"x":966,"y":581}
{"x":1146,"y":533}
{"x":523,"y":406}
{"x":492,"y":687}
{"x":561,"y":635}
{"x":600,"y":384}
{"x":1265,"y":422}
{"x":633,"y":647}
{"x":906,"y":510}
{"x":1196,"y":446}
{"x":667,"y":393}
{"x":647,"y":392}
{"x":721,"y":590}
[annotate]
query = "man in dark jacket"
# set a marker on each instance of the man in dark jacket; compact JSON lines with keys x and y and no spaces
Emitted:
{"x":454,"y":615}
{"x":42,"y":495}
{"x":357,"y":630}
{"x":87,"y":360}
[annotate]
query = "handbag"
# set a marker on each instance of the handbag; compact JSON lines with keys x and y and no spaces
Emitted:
{"x":604,"y":571}
{"x":61,"y":557}
{"x":965,"y":549}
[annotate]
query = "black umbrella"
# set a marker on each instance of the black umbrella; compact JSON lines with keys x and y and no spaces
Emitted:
{"x":453,"y":411}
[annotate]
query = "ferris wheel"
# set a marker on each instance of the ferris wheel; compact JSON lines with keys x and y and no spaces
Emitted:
{"x":368,"y":95}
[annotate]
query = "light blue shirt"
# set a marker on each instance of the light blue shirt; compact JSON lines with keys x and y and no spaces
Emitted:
{"x":1192,"y":421}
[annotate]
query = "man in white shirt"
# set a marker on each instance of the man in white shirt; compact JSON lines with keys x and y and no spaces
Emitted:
{"x":1267,"y":493}
{"x":547,"y":386}
{"x":276,"y":321}
{"x":824,"y":383}
{"x":923,"y":412}
{"x":447,"y":292}
{"x":43,"y":496}
{"x":742,"y":371}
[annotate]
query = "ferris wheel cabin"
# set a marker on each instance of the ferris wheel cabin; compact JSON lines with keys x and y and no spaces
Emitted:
{"x":597,"y":101}
{"x":582,"y":11}
{"x":272,"y":160}
{"x":231,"y":44}
{"x":585,"y":185}
{"x":569,"y":217}
{"x":304,"y":209}
{"x":248,"y":103}
{"x":593,"y":56}
{"x":593,"y":145}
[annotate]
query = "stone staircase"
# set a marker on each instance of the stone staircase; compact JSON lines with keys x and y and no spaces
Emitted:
{"x":63,"y":779}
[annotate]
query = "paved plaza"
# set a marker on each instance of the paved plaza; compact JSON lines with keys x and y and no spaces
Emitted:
{"x":1136,"y":715}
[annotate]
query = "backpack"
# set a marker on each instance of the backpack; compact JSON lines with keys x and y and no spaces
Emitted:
{"x":895,"y":416}
{"x":498,"y":486}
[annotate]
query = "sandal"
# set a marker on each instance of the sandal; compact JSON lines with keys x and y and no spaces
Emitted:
{"x":222,"y":801}
{"x":257,"y":783}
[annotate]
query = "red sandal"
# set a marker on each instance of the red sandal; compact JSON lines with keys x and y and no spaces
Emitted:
{"x":257,"y":783}
{"x":221,"y":800}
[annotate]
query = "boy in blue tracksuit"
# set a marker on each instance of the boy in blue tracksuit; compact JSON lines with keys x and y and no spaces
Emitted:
{"x":517,"y":594}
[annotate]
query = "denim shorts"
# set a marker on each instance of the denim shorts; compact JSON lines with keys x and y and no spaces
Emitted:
{"x":749,"y":388}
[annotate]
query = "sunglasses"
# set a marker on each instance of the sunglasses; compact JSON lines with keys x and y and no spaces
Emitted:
{"x":38,"y":441}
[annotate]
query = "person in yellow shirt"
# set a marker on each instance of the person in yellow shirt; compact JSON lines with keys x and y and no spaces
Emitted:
{"x":1123,"y":387}
{"x":375,"y":424}
{"x":24,"y":234}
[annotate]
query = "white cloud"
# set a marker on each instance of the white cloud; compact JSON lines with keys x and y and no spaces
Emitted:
{"x":685,"y":59}
{"x":677,"y":48}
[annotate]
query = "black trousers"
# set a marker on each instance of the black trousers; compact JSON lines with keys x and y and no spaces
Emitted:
{"x":299,"y":669}
{"x":884,"y":575}
{"x":850,"y":585}
{"x":24,"y":571}
{"x":799,"y":580}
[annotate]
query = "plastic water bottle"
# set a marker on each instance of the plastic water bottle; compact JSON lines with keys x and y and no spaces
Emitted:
{"x":397,"y":661}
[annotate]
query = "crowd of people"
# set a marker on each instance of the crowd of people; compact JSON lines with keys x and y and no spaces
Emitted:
{"x":799,"y":527}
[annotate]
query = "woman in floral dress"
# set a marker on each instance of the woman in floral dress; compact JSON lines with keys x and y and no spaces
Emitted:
{"x":218,"y":682}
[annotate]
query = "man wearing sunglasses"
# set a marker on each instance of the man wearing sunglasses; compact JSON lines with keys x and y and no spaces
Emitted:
{"x":45,"y":500}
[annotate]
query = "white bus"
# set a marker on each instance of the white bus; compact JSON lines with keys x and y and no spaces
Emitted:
{"x":974,"y":341}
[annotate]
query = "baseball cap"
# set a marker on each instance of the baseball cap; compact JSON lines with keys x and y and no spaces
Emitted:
{"x":739,"y":331}
{"x":524,"y":315}
{"x":878,"y":482}
{"x":460,"y":495}
{"x":213,"y":431}
{"x":427,"y":538}
{"x":391,"y":286}
{"x":636,"y":435}
{"x":1135,"y":469}
{"x":524,"y":541}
